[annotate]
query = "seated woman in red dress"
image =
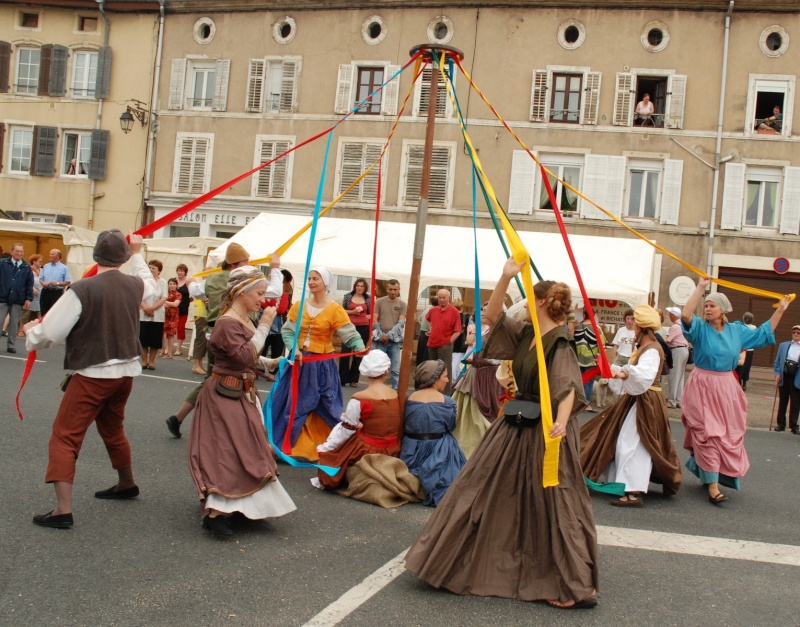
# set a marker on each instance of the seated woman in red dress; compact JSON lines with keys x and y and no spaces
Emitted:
{"x":371,"y":424}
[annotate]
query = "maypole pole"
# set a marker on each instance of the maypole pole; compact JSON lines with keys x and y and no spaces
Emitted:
{"x":430,"y":53}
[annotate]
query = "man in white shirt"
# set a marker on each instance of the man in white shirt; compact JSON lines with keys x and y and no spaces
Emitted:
{"x":787,"y":376}
{"x":624,"y":339}
{"x":98,"y":319}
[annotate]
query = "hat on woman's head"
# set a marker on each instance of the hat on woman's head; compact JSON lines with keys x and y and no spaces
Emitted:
{"x":721,"y":301}
{"x":647,"y":318}
{"x":428,"y":373}
{"x":241,"y":280}
{"x":236,"y":253}
{"x":674,"y":311}
{"x":327,"y":277}
{"x":111,"y":249}
{"x":375,"y":364}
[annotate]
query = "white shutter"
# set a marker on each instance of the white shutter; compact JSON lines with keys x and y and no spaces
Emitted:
{"x":733,"y":197}
{"x":255,"y":86}
{"x":184,"y":170}
{"x":222,"y":73}
{"x":623,"y":100}
{"x":671,"y":198}
{"x":790,"y":204}
{"x":199,"y":182}
{"x":369,"y":186}
{"x":391,"y":92}
{"x":344,"y":89}
{"x":357,"y":157}
{"x":288,"y":103}
{"x":422,"y":96}
{"x":272,"y":180}
{"x":523,"y":176}
{"x":539,"y":98}
{"x":176,"y":84}
{"x":676,"y":101}
{"x":440,"y":174}
{"x":190,"y":171}
{"x":603,"y":183}
{"x":591,"y":98}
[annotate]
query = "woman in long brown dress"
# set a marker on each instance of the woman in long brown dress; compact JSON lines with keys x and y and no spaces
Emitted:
{"x":229,"y":457}
{"x":371,"y":424}
{"x":498,"y":531}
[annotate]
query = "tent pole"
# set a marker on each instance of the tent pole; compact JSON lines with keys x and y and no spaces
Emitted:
{"x":422,"y":218}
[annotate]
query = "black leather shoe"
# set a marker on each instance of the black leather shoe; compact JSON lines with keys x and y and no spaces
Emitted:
{"x":779,"y":428}
{"x":795,"y":430}
{"x":60,"y":521}
{"x":113,"y":493}
{"x":11,"y":349}
{"x":218,"y":525}
{"x":174,"y":426}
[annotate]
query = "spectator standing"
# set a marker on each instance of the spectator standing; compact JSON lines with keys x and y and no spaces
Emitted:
{"x":32,"y":312}
{"x":680,"y":357}
{"x":183,"y":308}
{"x":54,"y":279}
{"x":623,"y":340}
{"x":445,"y":328}
{"x":16,"y":291}
{"x":171,"y":309}
{"x":424,"y":332}
{"x":356,"y":304}
{"x":587,"y":348}
{"x":389,"y":327}
{"x":460,"y":344}
{"x":787,"y":376}
{"x":200,"y":339}
{"x":151,"y":318}
{"x":744,"y":370}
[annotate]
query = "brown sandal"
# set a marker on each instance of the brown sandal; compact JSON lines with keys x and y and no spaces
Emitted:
{"x":631,"y":499}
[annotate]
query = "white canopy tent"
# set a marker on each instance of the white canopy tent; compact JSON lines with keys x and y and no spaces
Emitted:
{"x":612,"y":268}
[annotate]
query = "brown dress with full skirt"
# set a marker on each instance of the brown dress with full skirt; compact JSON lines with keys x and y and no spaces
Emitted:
{"x":228,"y":449}
{"x":381,"y":420}
{"x":498,"y":532}
{"x":599,"y":436}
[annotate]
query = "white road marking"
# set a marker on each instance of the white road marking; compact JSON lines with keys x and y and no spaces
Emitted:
{"x":360,"y":594}
{"x":155,"y":376}
{"x":38,"y":361}
{"x":784,"y":554}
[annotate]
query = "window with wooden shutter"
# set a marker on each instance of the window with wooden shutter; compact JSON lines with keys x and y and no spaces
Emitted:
{"x":280,"y":85}
{"x":76,"y":154}
{"x":391,"y":92}
{"x":45,"y":57}
{"x":222,"y":75}
{"x":439,"y":196}
{"x":273,"y":181}
{"x":560,"y":167}
{"x":84,"y":74}
{"x":28,"y":77}
{"x":98,"y":159}
{"x":623,"y":99}
{"x":671,"y":196}
{"x":103,"y":78}
{"x":591,"y":98}
{"x":733,"y":197}
{"x":288,"y":98}
{"x":255,"y":86}
{"x":43,"y":159}
{"x":344,"y":88}
{"x":444,"y":107}
{"x":355,"y":157}
{"x":790,"y":206}
{"x":191,"y":174}
{"x":523,"y":176}
{"x":603,"y":183}
{"x":5,"y":66}
{"x":539,"y":98}
{"x":177,"y":83}
{"x":676,"y":100}
{"x":57,"y":82}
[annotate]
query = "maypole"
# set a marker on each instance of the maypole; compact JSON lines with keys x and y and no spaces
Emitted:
{"x":428,"y":51}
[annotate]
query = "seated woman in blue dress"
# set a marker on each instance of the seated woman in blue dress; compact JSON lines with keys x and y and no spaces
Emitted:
{"x":429,"y":449}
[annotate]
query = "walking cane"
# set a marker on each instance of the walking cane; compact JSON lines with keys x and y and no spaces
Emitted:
{"x":774,"y":399}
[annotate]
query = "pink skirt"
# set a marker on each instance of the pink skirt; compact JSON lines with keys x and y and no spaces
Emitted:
{"x":715,"y":417}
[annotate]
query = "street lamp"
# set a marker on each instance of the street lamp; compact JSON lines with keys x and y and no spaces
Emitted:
{"x":134,"y":111}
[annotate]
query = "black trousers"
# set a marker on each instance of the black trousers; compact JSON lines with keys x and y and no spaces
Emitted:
{"x":348,"y":366}
{"x":48,"y":298}
{"x":789,"y":396}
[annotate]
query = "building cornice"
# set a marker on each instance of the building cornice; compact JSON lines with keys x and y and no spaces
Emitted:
{"x":115,"y":6}
{"x":234,"y":6}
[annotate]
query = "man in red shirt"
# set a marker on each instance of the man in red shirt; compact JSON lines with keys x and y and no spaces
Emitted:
{"x":445,"y":328}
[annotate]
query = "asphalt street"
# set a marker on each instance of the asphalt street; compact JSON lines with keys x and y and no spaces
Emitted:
{"x":148,"y":562}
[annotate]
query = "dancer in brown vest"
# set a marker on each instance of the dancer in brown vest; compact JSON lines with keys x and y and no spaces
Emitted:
{"x":98,"y":318}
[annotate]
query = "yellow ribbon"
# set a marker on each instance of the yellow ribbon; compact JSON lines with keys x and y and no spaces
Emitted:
{"x":724,"y":283}
{"x":520,"y":255}
{"x":288,"y":243}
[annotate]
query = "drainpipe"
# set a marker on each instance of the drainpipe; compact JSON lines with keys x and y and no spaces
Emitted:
{"x":93,"y":186}
{"x":151,"y":139}
{"x":714,"y":190}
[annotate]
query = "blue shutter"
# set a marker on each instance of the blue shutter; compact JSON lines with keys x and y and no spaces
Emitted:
{"x":103,"y":73}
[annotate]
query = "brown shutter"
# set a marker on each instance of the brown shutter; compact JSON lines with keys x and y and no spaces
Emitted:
{"x":5,"y":62}
{"x":45,"y":56}
{"x":99,"y":155}
{"x":58,"y":71}
{"x":103,"y":73}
